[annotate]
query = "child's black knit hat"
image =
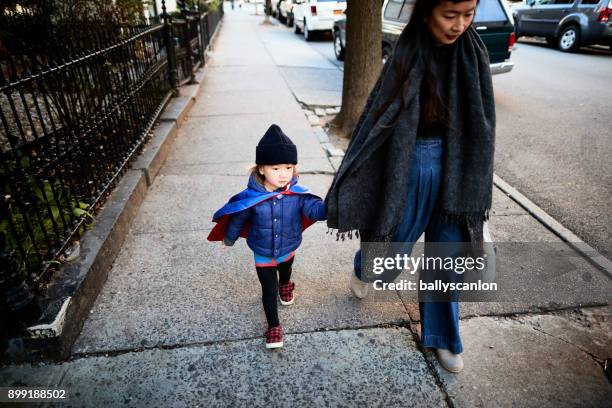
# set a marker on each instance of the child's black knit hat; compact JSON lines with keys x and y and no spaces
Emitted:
{"x":275,"y":147}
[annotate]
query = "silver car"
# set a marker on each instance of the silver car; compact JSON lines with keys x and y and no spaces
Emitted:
{"x":567,"y":24}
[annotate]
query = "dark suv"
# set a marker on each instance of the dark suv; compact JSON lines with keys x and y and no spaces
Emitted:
{"x":567,"y":24}
{"x":493,"y":22}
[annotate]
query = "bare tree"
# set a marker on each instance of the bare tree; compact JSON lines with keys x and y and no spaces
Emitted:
{"x":362,"y":61}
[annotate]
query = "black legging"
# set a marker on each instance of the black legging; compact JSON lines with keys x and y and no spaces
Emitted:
{"x":269,"y":287}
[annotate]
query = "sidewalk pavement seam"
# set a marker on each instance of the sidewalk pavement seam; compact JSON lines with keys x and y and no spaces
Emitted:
{"x":436,"y":375}
{"x":416,"y":336}
{"x":598,"y":361}
{"x":542,"y":311}
{"x":337,"y":64}
{"x":117,"y":352}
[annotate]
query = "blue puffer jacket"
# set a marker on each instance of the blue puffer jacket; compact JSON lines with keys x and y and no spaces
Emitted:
{"x":275,"y":224}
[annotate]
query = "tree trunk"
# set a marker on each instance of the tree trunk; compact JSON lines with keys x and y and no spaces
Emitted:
{"x":363,"y":61}
{"x":267,"y":12}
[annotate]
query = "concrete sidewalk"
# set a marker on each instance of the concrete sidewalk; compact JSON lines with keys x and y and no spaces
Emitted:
{"x":180,"y":322}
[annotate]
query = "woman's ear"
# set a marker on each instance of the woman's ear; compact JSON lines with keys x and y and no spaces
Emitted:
{"x":260,"y":170}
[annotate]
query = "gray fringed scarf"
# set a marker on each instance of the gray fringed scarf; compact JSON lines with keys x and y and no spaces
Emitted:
{"x":368,"y":192}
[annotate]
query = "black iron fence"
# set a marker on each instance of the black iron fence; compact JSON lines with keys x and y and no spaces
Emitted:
{"x":71,"y":118}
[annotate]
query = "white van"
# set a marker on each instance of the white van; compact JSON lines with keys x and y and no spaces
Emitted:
{"x":317,"y":15}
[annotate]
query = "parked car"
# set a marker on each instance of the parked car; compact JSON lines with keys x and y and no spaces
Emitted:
{"x":493,"y":21}
{"x":285,"y":11}
{"x":274,"y":4}
{"x":316,"y":16}
{"x":339,"y":34}
{"x":566,"y":24}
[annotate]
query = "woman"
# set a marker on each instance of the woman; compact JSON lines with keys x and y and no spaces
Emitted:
{"x":421,"y":156}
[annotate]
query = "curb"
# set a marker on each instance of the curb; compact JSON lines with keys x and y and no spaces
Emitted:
{"x":553,"y":225}
{"x":71,"y":296}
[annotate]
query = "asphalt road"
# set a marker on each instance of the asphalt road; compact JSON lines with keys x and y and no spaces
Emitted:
{"x":553,"y":133}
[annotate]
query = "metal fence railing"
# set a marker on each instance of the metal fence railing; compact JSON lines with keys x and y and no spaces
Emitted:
{"x":71,"y":118}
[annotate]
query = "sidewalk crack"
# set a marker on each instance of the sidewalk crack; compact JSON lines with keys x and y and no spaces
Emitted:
{"x":593,"y":357}
{"x":436,"y":377}
{"x":113,"y":353}
{"x":541,"y":310}
{"x":429,"y":363}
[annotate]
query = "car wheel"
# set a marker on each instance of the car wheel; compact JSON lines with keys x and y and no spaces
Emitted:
{"x":338,"y":46}
{"x":289,"y":20}
{"x":386,"y":54}
{"x":307,"y":32}
{"x":569,"y":40}
{"x":296,"y":29}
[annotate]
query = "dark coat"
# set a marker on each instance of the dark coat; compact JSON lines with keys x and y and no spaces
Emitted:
{"x":369,"y":190}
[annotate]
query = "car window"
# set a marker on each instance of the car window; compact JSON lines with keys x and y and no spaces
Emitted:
{"x":563,"y":1}
{"x":393,"y":9}
{"x":544,"y":2}
{"x":589,"y":2}
{"x":490,"y":10}
{"x":406,"y":11}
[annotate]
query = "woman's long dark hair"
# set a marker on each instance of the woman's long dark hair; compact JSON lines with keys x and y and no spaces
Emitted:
{"x":405,"y":57}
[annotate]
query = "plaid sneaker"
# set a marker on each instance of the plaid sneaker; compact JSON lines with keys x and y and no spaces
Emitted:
{"x":285,"y":292}
{"x":274,"y":337}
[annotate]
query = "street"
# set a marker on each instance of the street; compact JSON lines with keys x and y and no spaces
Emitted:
{"x":554,"y":135}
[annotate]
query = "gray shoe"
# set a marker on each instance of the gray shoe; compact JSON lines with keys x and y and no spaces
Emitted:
{"x":359,"y":288}
{"x":451,"y":362}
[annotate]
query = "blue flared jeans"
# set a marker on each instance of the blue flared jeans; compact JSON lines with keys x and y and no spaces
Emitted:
{"x":439,"y":320}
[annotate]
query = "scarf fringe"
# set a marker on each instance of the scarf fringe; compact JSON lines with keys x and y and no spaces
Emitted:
{"x":344,"y":234}
{"x":465,"y":218}
{"x":446,"y":217}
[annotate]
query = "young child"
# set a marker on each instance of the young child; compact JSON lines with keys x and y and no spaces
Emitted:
{"x":271,"y":214}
